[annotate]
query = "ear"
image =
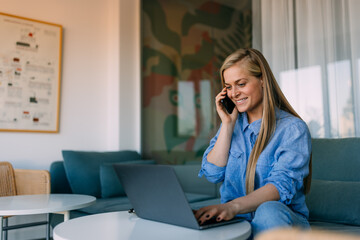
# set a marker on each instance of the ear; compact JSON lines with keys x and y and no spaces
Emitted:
{"x":262,"y":82}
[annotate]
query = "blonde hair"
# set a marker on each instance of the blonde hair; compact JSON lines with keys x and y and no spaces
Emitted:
{"x":273,"y":98}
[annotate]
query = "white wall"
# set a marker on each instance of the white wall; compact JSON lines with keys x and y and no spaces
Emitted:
{"x":100,"y":76}
{"x":130,"y":89}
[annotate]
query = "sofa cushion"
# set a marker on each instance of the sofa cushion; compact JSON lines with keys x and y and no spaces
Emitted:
{"x":336,"y":159}
{"x":83,"y":168}
{"x":197,"y":197}
{"x":110,"y":183}
{"x":334,"y":202}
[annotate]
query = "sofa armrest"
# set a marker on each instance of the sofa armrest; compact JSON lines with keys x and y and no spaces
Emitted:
{"x":32,"y":181}
{"x":59,"y":181}
{"x":191,"y":183}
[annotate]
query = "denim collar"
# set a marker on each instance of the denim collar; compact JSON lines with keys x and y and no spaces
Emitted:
{"x":255,"y":126}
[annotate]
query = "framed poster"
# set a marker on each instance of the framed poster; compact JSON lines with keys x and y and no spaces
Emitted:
{"x":30,"y":72}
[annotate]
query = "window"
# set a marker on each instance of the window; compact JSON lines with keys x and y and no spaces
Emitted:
{"x":312,"y":47}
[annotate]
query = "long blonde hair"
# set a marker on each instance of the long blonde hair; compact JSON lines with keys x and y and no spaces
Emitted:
{"x":273,"y":98}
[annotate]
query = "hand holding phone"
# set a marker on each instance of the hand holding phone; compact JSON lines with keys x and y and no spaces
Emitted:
{"x":228,"y":104}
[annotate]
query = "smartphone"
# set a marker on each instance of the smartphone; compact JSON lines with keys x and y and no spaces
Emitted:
{"x":228,"y":104}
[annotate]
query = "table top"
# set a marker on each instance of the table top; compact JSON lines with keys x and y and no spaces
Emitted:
{"x":43,"y":203}
{"x":124,"y":225}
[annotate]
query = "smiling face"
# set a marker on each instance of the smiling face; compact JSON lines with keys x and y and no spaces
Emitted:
{"x":245,"y":90}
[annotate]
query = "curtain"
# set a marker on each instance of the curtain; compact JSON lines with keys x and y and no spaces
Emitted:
{"x":312,"y":47}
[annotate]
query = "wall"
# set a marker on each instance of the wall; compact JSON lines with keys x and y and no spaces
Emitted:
{"x":100,"y":46}
{"x":100,"y":85}
{"x":184,"y":45}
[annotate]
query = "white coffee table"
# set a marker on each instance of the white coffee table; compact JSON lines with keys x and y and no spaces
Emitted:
{"x":44,"y":203}
{"x":125,"y":226}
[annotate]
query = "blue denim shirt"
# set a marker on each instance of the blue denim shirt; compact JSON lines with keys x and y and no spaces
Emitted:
{"x":284,"y":162}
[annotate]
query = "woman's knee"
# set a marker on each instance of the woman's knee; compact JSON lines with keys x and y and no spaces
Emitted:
{"x":270,"y":215}
{"x":271,"y":209}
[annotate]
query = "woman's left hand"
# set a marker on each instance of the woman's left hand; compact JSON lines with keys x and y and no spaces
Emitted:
{"x":226,"y":211}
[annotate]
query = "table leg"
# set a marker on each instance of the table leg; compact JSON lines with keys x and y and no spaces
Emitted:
{"x":66,"y":216}
{"x":48,"y":226}
{"x":1,"y":227}
{"x":5,"y":225}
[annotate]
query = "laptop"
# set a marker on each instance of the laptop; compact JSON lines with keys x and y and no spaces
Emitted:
{"x":156,"y":194}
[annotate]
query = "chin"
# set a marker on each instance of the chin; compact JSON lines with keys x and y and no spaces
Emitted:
{"x":241,"y":109}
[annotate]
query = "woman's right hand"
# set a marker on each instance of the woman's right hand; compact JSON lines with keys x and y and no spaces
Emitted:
{"x":220,"y":153}
{"x":225,"y":117}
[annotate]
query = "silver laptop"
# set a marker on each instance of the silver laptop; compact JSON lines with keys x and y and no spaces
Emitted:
{"x":156,"y":194}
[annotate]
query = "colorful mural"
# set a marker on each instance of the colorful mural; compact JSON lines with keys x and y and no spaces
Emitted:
{"x":183,"y":45}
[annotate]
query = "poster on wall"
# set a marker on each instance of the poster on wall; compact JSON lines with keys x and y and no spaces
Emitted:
{"x":30,"y":71}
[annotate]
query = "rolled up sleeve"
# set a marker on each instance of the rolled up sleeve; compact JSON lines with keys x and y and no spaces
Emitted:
{"x":292,"y":162}
{"x":213,"y":173}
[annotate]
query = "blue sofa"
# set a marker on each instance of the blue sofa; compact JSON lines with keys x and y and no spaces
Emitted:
{"x":334,"y":197}
{"x":91,"y":173}
{"x":333,"y":202}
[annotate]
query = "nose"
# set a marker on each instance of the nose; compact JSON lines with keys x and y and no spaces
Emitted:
{"x":234,"y":93}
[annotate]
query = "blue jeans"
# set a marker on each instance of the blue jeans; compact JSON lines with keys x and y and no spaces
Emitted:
{"x":274,"y":214}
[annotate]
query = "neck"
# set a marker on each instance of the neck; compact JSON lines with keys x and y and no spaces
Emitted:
{"x":252,"y":117}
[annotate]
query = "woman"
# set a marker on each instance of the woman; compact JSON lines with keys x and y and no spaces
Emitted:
{"x":261,"y":152}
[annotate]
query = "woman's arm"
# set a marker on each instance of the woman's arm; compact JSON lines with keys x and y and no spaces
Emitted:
{"x":220,"y":153}
{"x":252,"y":201}
{"x":246,"y":204}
